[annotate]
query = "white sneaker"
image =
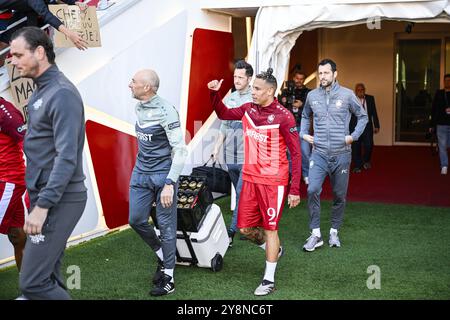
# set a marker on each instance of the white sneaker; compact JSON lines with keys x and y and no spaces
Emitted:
{"x":266,"y":287}
{"x":444,"y":170}
{"x":306,"y":180}
{"x":334,"y":240}
{"x":21,"y":297}
{"x":312,"y":243}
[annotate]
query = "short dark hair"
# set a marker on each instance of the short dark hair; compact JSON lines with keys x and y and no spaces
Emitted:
{"x":35,"y":37}
{"x":447,"y":76}
{"x":296,"y":72}
{"x":330,"y":62}
{"x":241,"y":64}
{"x":268,"y":77}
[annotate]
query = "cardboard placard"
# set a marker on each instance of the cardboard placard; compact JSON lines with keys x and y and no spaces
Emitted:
{"x":21,"y":88}
{"x":84,"y":22}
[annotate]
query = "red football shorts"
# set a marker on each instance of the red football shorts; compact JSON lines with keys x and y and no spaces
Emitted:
{"x":12,"y":213}
{"x":260,"y":205}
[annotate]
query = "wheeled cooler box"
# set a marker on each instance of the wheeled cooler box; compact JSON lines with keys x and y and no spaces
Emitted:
{"x":207,"y":247}
{"x":202,"y":237}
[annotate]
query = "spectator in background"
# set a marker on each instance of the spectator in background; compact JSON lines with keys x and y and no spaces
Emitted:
{"x":231,"y":134}
{"x":293,"y":98}
{"x":12,"y":177}
{"x":362,"y":148}
{"x":440,"y":121}
{"x":33,"y":9}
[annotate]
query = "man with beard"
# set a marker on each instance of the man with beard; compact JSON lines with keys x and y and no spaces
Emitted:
{"x":231,"y":134}
{"x":331,"y":106}
{"x":54,"y":175}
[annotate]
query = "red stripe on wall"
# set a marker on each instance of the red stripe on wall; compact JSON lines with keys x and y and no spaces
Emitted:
{"x":113,"y":156}
{"x":212,"y":58}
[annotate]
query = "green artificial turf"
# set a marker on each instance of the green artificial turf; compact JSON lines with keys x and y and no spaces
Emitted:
{"x":409,"y":244}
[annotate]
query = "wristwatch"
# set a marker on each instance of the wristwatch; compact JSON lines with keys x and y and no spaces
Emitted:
{"x":170,"y":182}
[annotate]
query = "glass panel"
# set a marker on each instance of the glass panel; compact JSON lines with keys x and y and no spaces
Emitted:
{"x":417,"y":79}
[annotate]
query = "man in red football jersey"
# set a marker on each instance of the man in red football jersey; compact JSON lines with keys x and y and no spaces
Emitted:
{"x":268,"y":129}
{"x":12,"y":177}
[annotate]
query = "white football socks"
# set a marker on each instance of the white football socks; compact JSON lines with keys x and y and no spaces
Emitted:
{"x":316,"y":232}
{"x":169,"y":272}
{"x":270,"y":271}
{"x":160,"y":255}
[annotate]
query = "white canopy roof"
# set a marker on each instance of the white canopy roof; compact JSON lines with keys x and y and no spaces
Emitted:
{"x":278,"y":27}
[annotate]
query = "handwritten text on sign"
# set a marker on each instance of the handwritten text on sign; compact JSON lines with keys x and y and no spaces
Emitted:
{"x":84,"y":22}
{"x":21,"y":88}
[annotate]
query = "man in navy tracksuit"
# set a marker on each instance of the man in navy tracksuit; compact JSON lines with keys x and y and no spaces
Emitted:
{"x":54,"y":175}
{"x":331,"y":106}
{"x":155,"y":175}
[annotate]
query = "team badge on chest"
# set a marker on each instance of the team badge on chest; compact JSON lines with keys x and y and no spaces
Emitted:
{"x":37,"y":104}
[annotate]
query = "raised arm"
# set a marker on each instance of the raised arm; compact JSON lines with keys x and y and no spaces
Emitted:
{"x":221,"y":109}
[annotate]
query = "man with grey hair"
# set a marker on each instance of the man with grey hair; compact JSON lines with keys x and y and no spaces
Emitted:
{"x":362,"y":148}
{"x":155,"y":175}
